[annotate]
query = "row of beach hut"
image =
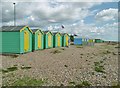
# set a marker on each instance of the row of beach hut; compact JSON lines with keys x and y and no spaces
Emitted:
{"x":87,"y":41}
{"x":22,"y":39}
{"x":83,"y":41}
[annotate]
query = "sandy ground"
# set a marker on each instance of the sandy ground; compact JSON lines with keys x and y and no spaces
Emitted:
{"x":69,"y":65}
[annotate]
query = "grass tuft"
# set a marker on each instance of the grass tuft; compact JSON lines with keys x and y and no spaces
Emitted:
{"x":79,"y":46}
{"x":11,"y":55}
{"x":83,"y":83}
{"x":62,"y":49}
{"x":10,"y":69}
{"x":27,"y":81}
{"x":56,"y":51}
{"x":98,"y":67}
{"x":65,"y":65}
{"x":25,"y":67}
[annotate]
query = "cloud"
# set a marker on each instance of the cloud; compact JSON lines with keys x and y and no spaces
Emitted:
{"x":60,"y":0}
{"x":107,"y":15}
{"x":51,"y":15}
{"x":45,"y":13}
{"x":107,"y":31}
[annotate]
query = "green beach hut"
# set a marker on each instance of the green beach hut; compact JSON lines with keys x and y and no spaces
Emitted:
{"x":57,"y":39}
{"x":98,"y":41}
{"x":65,"y":38}
{"x":48,"y":39}
{"x":16,"y":39}
{"x":37,"y":39}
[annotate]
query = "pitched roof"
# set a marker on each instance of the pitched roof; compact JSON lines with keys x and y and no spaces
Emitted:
{"x":11,"y":28}
{"x":34,"y":30}
{"x":56,"y":33}
{"x":64,"y":33}
{"x":46,"y":31}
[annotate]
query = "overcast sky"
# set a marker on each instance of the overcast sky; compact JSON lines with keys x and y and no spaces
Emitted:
{"x":92,"y":19}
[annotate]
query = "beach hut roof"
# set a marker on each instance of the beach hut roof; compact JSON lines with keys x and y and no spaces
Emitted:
{"x":35,"y":30}
{"x":47,"y":32}
{"x":13,"y":28}
{"x":64,"y":34}
{"x":54,"y":33}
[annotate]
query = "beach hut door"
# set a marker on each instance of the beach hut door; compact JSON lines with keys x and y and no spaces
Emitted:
{"x":26,"y":40}
{"x":58,"y":40}
{"x":66,"y":40}
{"x":39,"y":40}
{"x":49,"y":40}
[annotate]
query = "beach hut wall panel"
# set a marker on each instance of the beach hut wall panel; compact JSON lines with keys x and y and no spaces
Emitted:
{"x":78,"y":41}
{"x":65,"y":38}
{"x":48,"y":39}
{"x":57,"y":39}
{"x":16,"y":39}
{"x":38,"y":39}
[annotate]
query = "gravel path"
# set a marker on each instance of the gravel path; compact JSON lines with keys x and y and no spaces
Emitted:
{"x":67,"y":65}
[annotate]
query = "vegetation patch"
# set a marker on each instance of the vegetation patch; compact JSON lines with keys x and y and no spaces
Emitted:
{"x":10,"y":69}
{"x":83,"y":83}
{"x":62,"y":48}
{"x":115,"y":85}
{"x":4,"y":71}
{"x":81,"y":54}
{"x":11,"y":55}
{"x":98,"y":67}
{"x":79,"y":46}
{"x":114,"y":53}
{"x":72,"y":82}
{"x":106,"y":52}
{"x":23,"y":67}
{"x":56,"y":51}
{"x":27,"y":81}
{"x":117,"y":47}
{"x":65,"y":65}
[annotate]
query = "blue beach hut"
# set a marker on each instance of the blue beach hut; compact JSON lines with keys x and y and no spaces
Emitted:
{"x":77,"y":41}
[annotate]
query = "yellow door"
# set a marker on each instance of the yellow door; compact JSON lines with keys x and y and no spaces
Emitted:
{"x":49,"y":40}
{"x":58,"y":40}
{"x":26,"y":40}
{"x":66,"y":40}
{"x":39,"y":40}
